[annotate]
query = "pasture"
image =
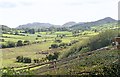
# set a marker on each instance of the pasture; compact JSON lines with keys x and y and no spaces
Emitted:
{"x":9,"y":54}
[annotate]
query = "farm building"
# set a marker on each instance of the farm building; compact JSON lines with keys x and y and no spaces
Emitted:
{"x":117,"y":42}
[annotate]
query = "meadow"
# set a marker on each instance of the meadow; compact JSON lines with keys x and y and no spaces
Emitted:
{"x":10,"y":54}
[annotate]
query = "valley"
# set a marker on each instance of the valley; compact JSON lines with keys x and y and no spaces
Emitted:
{"x":71,"y":49}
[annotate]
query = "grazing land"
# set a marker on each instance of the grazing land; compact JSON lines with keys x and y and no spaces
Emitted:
{"x":81,"y":49}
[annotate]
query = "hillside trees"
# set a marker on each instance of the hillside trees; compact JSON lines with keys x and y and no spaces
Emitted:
{"x":102,"y":40}
{"x":95,"y":42}
{"x":30,"y":31}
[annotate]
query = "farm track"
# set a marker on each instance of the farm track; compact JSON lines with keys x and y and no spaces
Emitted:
{"x":59,"y":63}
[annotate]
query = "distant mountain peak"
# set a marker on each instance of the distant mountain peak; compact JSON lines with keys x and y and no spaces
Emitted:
{"x":108,"y":19}
{"x":35,"y":25}
{"x":95,"y":23}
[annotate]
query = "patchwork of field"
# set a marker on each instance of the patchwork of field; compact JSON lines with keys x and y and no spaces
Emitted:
{"x":9,"y":54}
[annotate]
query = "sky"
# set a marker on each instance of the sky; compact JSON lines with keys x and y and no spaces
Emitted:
{"x":18,"y":12}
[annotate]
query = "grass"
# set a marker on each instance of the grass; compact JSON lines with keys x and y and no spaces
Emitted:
{"x":9,"y":54}
{"x":87,"y":64}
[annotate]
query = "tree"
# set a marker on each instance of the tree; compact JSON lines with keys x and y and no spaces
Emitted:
{"x":31,"y":31}
{"x":26,"y":42}
{"x":49,"y":57}
{"x":54,"y":46}
{"x":16,"y":32}
{"x":23,"y":59}
{"x":36,"y":60}
{"x":19,"y":58}
{"x":10,"y":44}
{"x":52,"y":56}
{"x":38,"y":30}
{"x":58,"y":40}
{"x":55,"y":56}
{"x":26,"y":60}
{"x":19,"y":43}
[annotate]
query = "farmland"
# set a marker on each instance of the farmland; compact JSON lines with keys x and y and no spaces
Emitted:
{"x":10,"y":54}
{"x":48,"y":51}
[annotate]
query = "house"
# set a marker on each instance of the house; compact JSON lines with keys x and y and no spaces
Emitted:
{"x":117,"y":42}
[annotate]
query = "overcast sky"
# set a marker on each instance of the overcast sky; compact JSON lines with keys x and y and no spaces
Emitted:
{"x":17,"y":12}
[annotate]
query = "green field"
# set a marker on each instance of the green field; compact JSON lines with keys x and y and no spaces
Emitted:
{"x":10,"y":54}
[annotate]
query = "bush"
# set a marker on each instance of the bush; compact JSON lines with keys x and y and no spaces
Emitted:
{"x":10,"y":44}
{"x":19,"y":43}
{"x":23,"y":59}
{"x":26,"y":42}
{"x":39,"y":36}
{"x":74,"y":41}
{"x":49,"y":57}
{"x":2,"y":40}
{"x":3,"y":46}
{"x":26,"y":60}
{"x":58,"y":41}
{"x":36,"y":60}
{"x":52,"y":57}
{"x":19,"y":58}
{"x":62,"y":44}
{"x":54,"y":46}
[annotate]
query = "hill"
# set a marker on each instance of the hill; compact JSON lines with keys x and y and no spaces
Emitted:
{"x":87,"y":25}
{"x":4,"y":28}
{"x":36,"y":25}
{"x":69,"y":24}
{"x":100,"y":63}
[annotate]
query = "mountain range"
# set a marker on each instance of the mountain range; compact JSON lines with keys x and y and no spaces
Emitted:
{"x":106,"y":20}
{"x":71,"y":24}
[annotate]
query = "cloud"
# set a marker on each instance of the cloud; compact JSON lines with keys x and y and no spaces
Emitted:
{"x":13,"y":4}
{"x":26,"y":3}
{"x":7,"y":5}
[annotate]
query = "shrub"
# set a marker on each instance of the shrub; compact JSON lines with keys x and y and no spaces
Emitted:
{"x":52,"y":57}
{"x":54,"y":46}
{"x":36,"y":38}
{"x":39,"y":36}
{"x":62,"y":44}
{"x":26,"y":60}
{"x":26,"y":42}
{"x":3,"y":45}
{"x":58,"y":41}
{"x":49,"y":57}
{"x":19,"y":43}
{"x":10,"y":44}
{"x":19,"y":58}
{"x":2,"y":40}
{"x":23,"y":59}
{"x":36,"y":60}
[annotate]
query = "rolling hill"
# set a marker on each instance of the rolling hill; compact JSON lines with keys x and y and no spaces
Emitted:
{"x":4,"y":28}
{"x":106,"y":20}
{"x":71,"y":24}
{"x":36,"y":25}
